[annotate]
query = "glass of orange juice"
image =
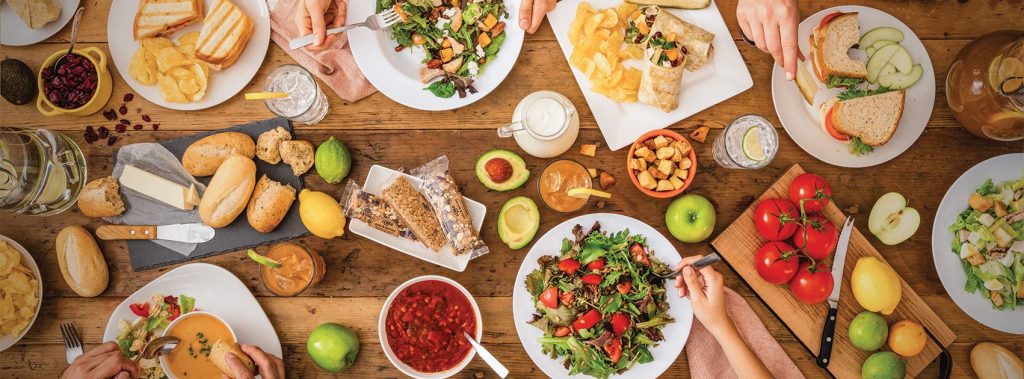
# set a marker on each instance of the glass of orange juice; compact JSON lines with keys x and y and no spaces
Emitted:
{"x":557,"y":179}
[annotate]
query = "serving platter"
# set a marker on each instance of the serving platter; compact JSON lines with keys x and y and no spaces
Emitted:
{"x":802,"y":121}
{"x":27,"y":259}
{"x":222,"y":85}
{"x":947,"y":264}
{"x":737,"y":244}
{"x":676,"y":333}
{"x":14,"y":31}
{"x":724,"y":76}
{"x":396,"y":74}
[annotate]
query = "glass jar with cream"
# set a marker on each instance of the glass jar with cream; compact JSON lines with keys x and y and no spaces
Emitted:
{"x":546,"y":124}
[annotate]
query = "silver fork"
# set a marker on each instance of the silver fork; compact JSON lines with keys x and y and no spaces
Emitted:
{"x":72,"y":342}
{"x":374,"y":22}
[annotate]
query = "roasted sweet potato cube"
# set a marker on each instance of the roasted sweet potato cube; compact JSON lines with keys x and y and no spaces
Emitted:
{"x":646,"y":180}
{"x":676,"y":182}
{"x":666,"y":167}
{"x":490,"y":21}
{"x":483,"y":40}
{"x":664,"y":185}
{"x":660,"y":142}
{"x":665,"y":152}
{"x":447,"y":54}
{"x":588,"y":149}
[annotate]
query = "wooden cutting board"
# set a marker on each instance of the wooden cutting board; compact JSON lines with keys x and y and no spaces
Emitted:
{"x":737,"y":245}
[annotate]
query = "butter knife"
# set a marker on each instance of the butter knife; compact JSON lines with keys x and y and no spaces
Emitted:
{"x":191,"y":233}
{"x":838,"y":262}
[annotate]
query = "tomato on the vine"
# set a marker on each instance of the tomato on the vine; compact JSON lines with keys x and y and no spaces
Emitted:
{"x":818,"y":237}
{"x":776,"y":262}
{"x":776,"y":219}
{"x":549,"y":297}
{"x":811,"y":192}
{"x":812,"y":286}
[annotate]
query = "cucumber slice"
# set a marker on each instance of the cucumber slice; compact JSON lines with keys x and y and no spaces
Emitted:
{"x":871,"y":51}
{"x":902,"y":60}
{"x":884,"y":33}
{"x":879,"y":60}
{"x":898,"y":80}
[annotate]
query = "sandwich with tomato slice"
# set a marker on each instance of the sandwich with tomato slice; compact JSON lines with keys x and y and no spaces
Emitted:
{"x":865,"y":119}
{"x":830,"y":42}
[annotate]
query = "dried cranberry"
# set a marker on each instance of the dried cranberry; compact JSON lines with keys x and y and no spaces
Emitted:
{"x":103,"y":132}
{"x":110,"y":115}
{"x":123,"y":110}
{"x":89,"y":129}
{"x":146,"y":118}
{"x":121,"y":128}
{"x":125,"y":121}
{"x":156,"y":126}
{"x":137,"y":127}
{"x":128,"y":97}
{"x":111,"y":140}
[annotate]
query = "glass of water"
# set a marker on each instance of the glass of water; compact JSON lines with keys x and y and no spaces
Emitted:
{"x":41,"y":172}
{"x":305,"y":103}
{"x":749,"y":142}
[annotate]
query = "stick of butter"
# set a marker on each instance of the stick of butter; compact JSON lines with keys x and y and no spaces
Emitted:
{"x":159,"y":189}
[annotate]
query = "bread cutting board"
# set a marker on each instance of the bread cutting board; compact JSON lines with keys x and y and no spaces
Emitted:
{"x":740,"y":240}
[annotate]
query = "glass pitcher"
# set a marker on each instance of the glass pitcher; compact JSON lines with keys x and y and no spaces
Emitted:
{"x":985,"y":86}
{"x":545,"y":124}
{"x":41,"y":172}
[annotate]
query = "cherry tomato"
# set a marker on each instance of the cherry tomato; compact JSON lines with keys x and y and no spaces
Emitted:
{"x":596,"y":265}
{"x":638,"y":254}
{"x":818,"y":238}
{"x":810,"y":192}
{"x":141,"y":309}
{"x":829,"y":17}
{"x":776,"y":219}
{"x":812,"y":286}
{"x":567,"y":298}
{"x":549,"y":297}
{"x":620,"y":322}
{"x":624,"y":287}
{"x":587,"y":320}
{"x":569,"y":266}
{"x":614,"y":350}
{"x":831,"y":129}
{"x":562,"y":331}
{"x":776,"y":262}
{"x":592,"y":279}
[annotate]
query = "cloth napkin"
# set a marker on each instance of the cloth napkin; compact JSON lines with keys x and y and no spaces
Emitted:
{"x":334,"y":66}
{"x":705,"y":355}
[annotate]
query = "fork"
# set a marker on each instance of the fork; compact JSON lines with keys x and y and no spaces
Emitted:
{"x":72,"y":342}
{"x":707,"y":260}
{"x":374,"y":22}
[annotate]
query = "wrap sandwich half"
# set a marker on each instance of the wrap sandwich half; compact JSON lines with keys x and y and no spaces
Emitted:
{"x":698,"y":42}
{"x":663,"y":72}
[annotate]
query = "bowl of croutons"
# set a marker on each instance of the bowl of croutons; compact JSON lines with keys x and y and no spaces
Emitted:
{"x":661,"y":163}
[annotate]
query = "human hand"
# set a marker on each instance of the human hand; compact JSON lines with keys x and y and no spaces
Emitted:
{"x":772,"y":25}
{"x":706,"y":291}
{"x":531,"y":13}
{"x":313,"y":16}
{"x":103,"y":361}
{"x":268,"y":366}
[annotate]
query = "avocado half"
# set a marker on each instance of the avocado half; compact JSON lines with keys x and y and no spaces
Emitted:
{"x":17,"y":82}
{"x":520,"y":174}
{"x":518,"y":222}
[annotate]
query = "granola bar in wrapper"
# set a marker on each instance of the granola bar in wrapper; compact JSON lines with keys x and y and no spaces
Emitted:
{"x":443,"y":194}
{"x":374,"y":211}
{"x":414,"y":211}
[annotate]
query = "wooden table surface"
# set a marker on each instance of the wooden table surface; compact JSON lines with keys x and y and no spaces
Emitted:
{"x":379,"y":131}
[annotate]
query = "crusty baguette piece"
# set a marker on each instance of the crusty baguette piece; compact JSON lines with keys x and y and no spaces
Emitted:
{"x":298,"y":154}
{"x":830,"y":44}
{"x":269,"y":204}
{"x":81,"y":261}
{"x":228,"y":192}
{"x":269,"y":142}
{"x":873,"y":119}
{"x":101,"y":198}
{"x":203,"y":157}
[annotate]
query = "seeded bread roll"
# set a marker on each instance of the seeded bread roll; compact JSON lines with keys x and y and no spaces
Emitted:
{"x":269,"y":204}
{"x":298,"y":154}
{"x":101,"y":198}
{"x":268,"y":144}
{"x":203,"y":157}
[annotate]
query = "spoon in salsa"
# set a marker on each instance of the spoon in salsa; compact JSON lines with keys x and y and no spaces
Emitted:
{"x":487,"y":357}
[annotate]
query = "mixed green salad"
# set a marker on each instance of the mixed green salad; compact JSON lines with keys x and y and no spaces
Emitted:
{"x":459,"y":37}
{"x":989,"y":238}
{"x":152,"y":317}
{"x":599,"y":303}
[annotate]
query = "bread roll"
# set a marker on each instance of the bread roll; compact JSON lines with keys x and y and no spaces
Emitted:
{"x":101,"y":198}
{"x":203,"y":157}
{"x":268,"y":144}
{"x":219,"y":358}
{"x":81,"y":261}
{"x":992,"y":361}
{"x":299,"y":155}
{"x":269,"y":204}
{"x":228,"y":191}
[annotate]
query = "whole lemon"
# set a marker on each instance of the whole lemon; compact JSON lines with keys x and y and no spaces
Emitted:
{"x":907,"y":338}
{"x":321,"y":214}
{"x":876,"y":286}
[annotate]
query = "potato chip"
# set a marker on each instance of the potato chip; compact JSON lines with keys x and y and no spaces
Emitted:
{"x":596,"y":37}
{"x":19,"y":292}
{"x":179,"y":76}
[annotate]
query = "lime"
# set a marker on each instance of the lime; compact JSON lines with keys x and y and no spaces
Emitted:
{"x":752,"y":144}
{"x":584,"y":193}
{"x":263,"y":260}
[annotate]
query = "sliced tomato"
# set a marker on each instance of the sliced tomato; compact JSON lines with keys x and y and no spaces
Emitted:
{"x":829,"y":17}
{"x":562,"y":331}
{"x":567,"y":298}
{"x":638,"y":254}
{"x":624,"y":287}
{"x":620,"y":322}
{"x":614,"y":350}
{"x":141,"y":309}
{"x":587,"y":320}
{"x":832,"y":129}
{"x":569,"y":266}
{"x":549,"y":297}
{"x":592,"y":279}
{"x":596,"y":265}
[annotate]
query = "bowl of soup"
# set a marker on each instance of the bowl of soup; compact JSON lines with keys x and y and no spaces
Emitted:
{"x":421,"y":325}
{"x":198,"y":332}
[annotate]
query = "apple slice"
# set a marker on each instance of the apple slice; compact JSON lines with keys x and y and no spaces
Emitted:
{"x":891,"y":220}
{"x":902,"y":60}
{"x":899,"y":80}
{"x":805,"y":82}
{"x":884,"y":33}
{"x":879,"y":60}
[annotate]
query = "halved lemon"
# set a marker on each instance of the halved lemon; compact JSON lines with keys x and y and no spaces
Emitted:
{"x":265,"y":95}
{"x":584,"y":193}
{"x":752,"y":144}
{"x":263,"y":260}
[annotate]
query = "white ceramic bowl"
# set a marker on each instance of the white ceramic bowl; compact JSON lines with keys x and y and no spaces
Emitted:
{"x":383,"y":335}
{"x":163,"y":358}
{"x":10,"y":340}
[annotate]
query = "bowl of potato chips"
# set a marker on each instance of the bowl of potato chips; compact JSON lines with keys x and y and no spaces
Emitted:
{"x":20,"y":292}
{"x":172,"y":66}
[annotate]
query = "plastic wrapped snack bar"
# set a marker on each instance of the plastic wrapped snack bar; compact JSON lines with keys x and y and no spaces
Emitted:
{"x":374,"y":211}
{"x":443,"y":194}
{"x":414,"y":211}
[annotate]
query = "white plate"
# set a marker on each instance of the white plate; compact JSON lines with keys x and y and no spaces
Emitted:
{"x":379,"y":178}
{"x":216,"y":291}
{"x":26,"y":258}
{"x":15,"y":32}
{"x":396,"y":74}
{"x":724,"y":76}
{"x":223,"y":84}
{"x":802,"y":123}
{"x":675,"y":333}
{"x":947,"y":264}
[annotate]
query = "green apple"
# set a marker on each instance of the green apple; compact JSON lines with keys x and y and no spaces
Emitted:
{"x":333,"y":347}
{"x":891,"y":220}
{"x":690,"y":218}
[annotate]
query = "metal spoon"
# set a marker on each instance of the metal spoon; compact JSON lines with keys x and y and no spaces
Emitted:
{"x":158,"y":347}
{"x":74,"y":37}
{"x":487,"y":357}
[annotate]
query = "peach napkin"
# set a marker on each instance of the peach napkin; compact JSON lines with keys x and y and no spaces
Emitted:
{"x":335,"y":66}
{"x":707,"y":360}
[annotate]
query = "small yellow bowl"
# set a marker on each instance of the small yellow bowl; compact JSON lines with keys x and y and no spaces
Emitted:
{"x":104,"y":84}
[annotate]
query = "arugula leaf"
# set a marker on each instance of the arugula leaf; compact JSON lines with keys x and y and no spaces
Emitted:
{"x":442,"y":89}
{"x":858,"y":147}
{"x":839,"y":81}
{"x":855,"y":92}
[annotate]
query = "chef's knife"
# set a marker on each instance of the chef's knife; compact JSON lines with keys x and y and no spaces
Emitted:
{"x":828,"y":333}
{"x":192,"y":233}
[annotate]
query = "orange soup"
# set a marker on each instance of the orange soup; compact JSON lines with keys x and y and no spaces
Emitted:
{"x":198,"y":332}
{"x":557,"y":179}
{"x":301,"y":268}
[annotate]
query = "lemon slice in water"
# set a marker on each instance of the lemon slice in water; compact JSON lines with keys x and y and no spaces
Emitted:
{"x":584,"y":193}
{"x":752,"y":144}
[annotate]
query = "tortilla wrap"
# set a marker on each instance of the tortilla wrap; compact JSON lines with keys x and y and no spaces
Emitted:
{"x":660,"y":85}
{"x":696,"y":40}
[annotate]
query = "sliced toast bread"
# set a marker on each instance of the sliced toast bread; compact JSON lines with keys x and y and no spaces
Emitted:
{"x":830,"y":44}
{"x":225,"y":33}
{"x":873,"y":119}
{"x":161,"y":17}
